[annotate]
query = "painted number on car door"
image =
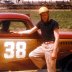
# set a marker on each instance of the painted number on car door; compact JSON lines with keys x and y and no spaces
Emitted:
{"x":17,"y":49}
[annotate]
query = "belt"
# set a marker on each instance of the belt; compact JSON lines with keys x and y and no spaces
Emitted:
{"x":49,"y":42}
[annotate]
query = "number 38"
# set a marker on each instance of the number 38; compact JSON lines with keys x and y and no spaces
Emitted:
{"x":17,"y":50}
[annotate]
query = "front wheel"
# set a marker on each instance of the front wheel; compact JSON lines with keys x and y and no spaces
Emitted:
{"x":68,"y":67}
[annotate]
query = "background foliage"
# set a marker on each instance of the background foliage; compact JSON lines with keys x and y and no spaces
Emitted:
{"x":63,"y":17}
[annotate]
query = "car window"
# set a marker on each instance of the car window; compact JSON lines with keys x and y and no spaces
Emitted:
{"x":12,"y":25}
{"x":17,"y":26}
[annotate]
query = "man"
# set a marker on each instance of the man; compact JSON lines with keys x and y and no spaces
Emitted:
{"x":5,"y":26}
{"x":50,"y":35}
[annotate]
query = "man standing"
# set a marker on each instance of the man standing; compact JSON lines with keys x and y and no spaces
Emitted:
{"x":50,"y":35}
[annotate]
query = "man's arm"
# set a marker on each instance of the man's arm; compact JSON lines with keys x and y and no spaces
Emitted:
{"x":55,"y":50}
{"x":29,"y":31}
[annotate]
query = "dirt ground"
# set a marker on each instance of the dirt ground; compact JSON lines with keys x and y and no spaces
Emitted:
{"x":42,"y":70}
{"x":30,"y":71}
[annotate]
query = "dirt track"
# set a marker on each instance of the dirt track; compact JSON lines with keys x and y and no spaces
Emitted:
{"x":42,"y":70}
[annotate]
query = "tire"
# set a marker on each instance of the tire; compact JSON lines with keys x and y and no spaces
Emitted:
{"x":68,"y":67}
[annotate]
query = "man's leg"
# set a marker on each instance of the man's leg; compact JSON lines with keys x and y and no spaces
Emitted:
{"x":51,"y":64}
{"x":36,"y":57}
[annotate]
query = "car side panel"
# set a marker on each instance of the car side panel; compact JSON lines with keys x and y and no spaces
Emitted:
{"x":15,"y":50}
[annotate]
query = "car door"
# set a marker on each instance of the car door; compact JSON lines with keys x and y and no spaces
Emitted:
{"x":15,"y":47}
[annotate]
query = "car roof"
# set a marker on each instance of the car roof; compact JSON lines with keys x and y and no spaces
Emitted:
{"x":14,"y":16}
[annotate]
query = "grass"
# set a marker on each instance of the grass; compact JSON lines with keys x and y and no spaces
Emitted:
{"x":63,"y":17}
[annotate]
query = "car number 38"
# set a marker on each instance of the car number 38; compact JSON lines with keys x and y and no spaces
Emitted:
{"x":15,"y":49}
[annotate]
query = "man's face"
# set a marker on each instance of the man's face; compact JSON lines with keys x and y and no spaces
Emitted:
{"x":45,"y":16}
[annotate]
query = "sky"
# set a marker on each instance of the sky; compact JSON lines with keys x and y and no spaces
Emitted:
{"x":46,"y":0}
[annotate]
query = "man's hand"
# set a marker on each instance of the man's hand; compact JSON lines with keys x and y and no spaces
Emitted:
{"x":54,"y":55}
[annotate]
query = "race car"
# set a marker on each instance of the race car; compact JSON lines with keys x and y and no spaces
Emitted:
{"x":15,"y":48}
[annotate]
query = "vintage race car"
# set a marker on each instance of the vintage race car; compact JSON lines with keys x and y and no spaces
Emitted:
{"x":15,"y":48}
